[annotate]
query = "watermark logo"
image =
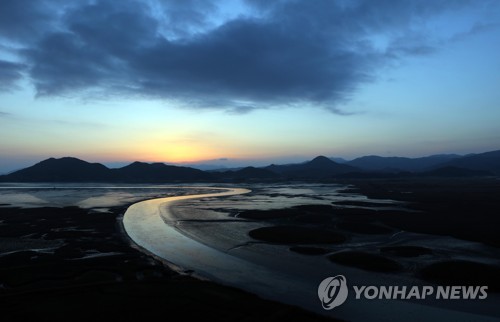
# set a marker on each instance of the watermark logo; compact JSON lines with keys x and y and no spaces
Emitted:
{"x":332,"y":291}
{"x":421,"y":292}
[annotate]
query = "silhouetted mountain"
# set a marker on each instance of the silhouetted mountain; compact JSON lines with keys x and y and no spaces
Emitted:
{"x":249,"y":173}
{"x":339,"y":160}
{"x":61,"y":170}
{"x":456,"y":172}
{"x":488,"y":161}
{"x":205,"y":167}
{"x":397,"y":164}
{"x":75,"y":170}
{"x":319,"y":167}
{"x":158,"y":172}
{"x":321,"y":162}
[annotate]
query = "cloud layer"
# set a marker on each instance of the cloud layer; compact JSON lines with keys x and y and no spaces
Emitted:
{"x":307,"y":53}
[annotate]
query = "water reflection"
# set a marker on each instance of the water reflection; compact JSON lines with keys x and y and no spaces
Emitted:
{"x":84,"y":196}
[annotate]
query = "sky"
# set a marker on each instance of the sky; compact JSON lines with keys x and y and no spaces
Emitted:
{"x":246,"y":82}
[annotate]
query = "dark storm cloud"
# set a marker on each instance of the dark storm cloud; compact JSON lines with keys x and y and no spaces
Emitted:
{"x":10,"y":73}
{"x":251,"y":60}
{"x":26,"y":19}
{"x":182,"y":18}
{"x":294,"y":53}
{"x":93,"y":52}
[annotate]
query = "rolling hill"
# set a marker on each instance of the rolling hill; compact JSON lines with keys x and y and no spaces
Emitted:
{"x":395,"y":164}
{"x":488,"y":161}
{"x":319,"y":167}
{"x":70,"y":169}
{"x":61,"y":170}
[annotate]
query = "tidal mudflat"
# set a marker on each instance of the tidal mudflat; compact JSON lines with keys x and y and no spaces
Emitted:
{"x":410,"y":233}
{"x":63,"y":249}
{"x":61,"y":260}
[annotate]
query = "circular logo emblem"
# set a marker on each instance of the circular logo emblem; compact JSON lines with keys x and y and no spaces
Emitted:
{"x":332,"y":291}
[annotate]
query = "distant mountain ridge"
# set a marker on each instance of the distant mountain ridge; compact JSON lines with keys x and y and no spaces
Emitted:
{"x":158,"y":172}
{"x":319,"y":167}
{"x":489,"y":161}
{"x":65,"y":169}
{"x":69,"y":169}
{"x":248,"y":173}
{"x":378,"y":163}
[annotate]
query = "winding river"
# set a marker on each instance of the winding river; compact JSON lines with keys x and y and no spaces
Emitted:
{"x":151,"y":224}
